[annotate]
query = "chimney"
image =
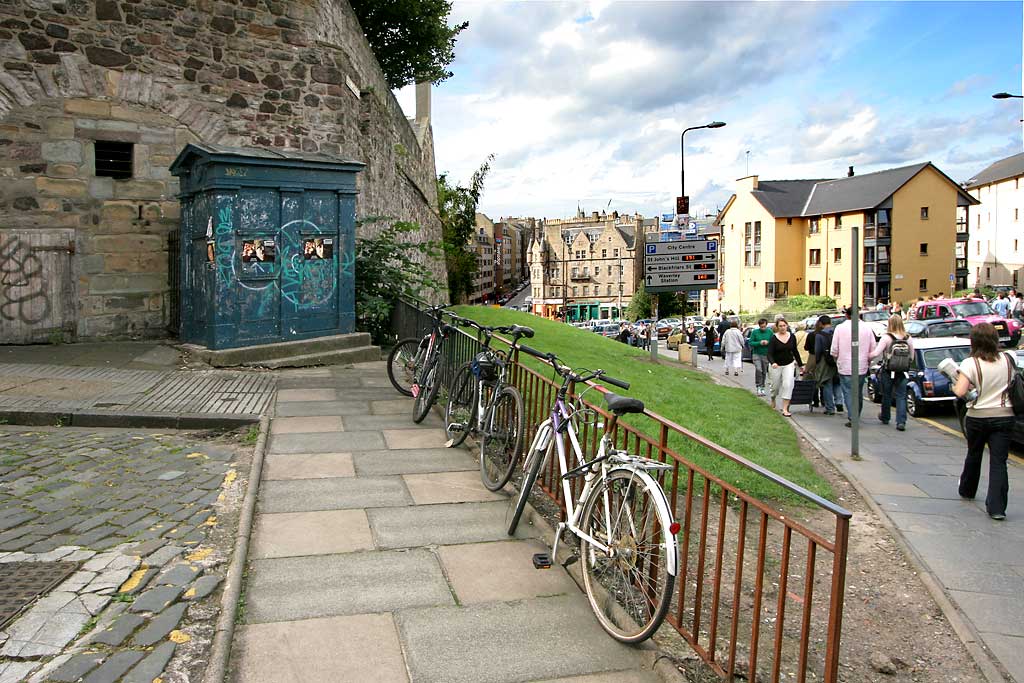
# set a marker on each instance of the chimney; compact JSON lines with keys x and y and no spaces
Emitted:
{"x":423,"y":101}
{"x":849,"y":173}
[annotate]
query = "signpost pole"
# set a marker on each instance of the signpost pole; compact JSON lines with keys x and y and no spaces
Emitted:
{"x":654,"y":337}
{"x":855,"y":388}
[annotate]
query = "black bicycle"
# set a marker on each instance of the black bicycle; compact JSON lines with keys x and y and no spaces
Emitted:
{"x":482,"y":402}
{"x":409,"y":354}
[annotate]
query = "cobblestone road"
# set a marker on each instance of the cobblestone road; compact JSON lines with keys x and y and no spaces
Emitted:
{"x":142,"y":513}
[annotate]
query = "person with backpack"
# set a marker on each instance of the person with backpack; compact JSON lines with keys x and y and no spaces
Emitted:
{"x":826,"y":373}
{"x":896,"y":349}
{"x":990,"y":417}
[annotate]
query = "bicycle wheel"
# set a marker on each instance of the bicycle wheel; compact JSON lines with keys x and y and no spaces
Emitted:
{"x":461,"y":408}
{"x":629,"y":588}
{"x":532,"y":468}
{"x":429,"y":388}
{"x":402,"y":363}
{"x":425,"y":381}
{"x":501,"y":438}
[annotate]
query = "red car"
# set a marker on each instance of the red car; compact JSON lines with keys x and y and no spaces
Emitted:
{"x":973,"y":310}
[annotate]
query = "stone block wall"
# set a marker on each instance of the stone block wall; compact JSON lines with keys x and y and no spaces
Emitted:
{"x":295,"y":74}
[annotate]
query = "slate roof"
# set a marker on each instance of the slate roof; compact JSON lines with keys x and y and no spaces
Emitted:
{"x":859,"y":192}
{"x":628,"y":233}
{"x":784,"y":198}
{"x":1010,"y":167}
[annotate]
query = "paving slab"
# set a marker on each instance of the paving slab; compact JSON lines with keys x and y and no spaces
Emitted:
{"x":400,"y":439}
{"x":293,"y":534}
{"x":114,"y":667}
{"x":304,"y":495}
{"x":307,"y":425}
{"x":992,"y":613}
{"x":150,"y":668}
{"x":502,"y":571}
{"x":395,"y":406}
{"x":413,"y":461}
{"x":314,"y":408}
{"x":308,"y":466}
{"x":449,"y":487}
{"x":444,"y":524}
{"x":505,"y":642}
{"x":306,"y":394}
{"x":325,"y":442}
{"x":363,"y":648}
{"x":432,"y":421}
{"x":1008,"y":649}
{"x":332,"y":585}
{"x":629,"y":676}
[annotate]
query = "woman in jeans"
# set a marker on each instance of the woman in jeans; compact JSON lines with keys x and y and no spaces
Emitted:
{"x":783,"y":358}
{"x":893,"y":381}
{"x":989,"y":418}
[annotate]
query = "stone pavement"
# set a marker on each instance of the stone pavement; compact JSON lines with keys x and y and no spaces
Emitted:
{"x":124,"y":384}
{"x":913,"y":476}
{"x":377,"y":555}
{"x":134,"y":510}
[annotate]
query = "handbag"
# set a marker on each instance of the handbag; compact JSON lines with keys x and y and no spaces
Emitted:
{"x":1014,"y":386}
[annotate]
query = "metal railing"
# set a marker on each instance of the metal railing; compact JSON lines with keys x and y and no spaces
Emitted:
{"x":739,"y":555}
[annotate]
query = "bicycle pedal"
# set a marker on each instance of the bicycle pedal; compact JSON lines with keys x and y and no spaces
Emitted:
{"x":541,"y":561}
{"x":456,"y":427}
{"x":572,"y":559}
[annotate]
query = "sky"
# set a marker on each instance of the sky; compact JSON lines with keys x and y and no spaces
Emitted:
{"x":582,"y":102}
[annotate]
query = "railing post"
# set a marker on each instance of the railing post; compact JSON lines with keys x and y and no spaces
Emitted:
{"x":835,"y":612}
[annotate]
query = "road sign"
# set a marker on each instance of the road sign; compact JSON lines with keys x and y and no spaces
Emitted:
{"x":682,"y":205}
{"x":682,"y":265}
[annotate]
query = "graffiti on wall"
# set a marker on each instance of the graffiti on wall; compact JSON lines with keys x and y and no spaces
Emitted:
{"x":307,"y":278}
{"x":23,"y":287}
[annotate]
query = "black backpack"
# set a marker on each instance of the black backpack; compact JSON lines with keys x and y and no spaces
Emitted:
{"x":898,"y":356}
{"x":1014,"y":386}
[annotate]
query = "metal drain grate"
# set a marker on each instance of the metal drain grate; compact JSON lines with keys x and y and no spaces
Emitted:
{"x":23,"y":582}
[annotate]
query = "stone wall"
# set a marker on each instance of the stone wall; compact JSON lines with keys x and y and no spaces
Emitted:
{"x":295,"y":74}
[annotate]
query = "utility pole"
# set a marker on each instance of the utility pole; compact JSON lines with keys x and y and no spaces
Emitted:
{"x":855,"y":388}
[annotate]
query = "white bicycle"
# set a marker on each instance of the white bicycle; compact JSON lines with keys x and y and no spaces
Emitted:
{"x":622,"y":519}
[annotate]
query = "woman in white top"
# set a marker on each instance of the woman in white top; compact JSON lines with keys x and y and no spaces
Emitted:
{"x":989,"y":418}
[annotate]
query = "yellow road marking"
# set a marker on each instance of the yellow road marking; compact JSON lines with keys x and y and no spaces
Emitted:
{"x":955,"y":432}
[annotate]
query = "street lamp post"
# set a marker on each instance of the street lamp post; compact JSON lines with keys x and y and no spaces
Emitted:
{"x":1008,"y":96}
{"x":682,"y":153}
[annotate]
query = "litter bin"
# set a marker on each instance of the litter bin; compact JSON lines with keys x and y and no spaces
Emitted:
{"x":267,"y":249}
{"x":687,"y":353}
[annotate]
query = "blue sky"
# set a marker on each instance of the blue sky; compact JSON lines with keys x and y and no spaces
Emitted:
{"x":582,"y":102}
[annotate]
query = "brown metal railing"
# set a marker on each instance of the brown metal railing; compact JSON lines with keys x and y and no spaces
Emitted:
{"x":738,"y":554}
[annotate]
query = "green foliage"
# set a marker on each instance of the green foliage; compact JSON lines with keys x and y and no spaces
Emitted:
{"x":802,"y":303}
{"x":251,"y":435}
{"x":457,"y":208}
{"x":389,"y":266}
{"x":411,"y":38}
{"x":731,"y":417}
{"x":640,"y":305}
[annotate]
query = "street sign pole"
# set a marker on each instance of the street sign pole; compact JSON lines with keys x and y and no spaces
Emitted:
{"x":654,"y":327}
{"x":855,"y":388}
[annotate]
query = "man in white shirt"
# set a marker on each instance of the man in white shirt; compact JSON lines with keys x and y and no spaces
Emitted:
{"x":842,"y":351}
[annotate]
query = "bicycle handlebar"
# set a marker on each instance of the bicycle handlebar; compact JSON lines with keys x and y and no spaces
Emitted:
{"x":622,"y":384}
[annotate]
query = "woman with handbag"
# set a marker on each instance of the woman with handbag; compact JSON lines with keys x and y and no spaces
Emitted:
{"x":989,"y":417}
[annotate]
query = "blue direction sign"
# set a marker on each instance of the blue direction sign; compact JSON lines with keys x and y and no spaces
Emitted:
{"x":683,"y":265}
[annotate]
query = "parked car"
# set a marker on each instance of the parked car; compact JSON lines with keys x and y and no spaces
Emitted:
{"x":808,"y":322}
{"x":878,"y":321}
{"x":676,"y":336}
{"x":939,"y":328}
{"x":665,"y":325}
{"x":610,"y":331}
{"x":927,"y":388}
{"x":702,"y":346}
{"x":974,"y":311}
{"x":695,"y":320}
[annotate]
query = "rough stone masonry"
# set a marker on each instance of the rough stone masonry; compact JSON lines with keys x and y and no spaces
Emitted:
{"x":84,"y":253}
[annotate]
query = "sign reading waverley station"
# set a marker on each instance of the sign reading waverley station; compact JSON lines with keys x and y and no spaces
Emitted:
{"x":681,"y":265}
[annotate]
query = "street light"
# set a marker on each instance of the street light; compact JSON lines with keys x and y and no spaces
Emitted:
{"x":1006,"y":96}
{"x":682,"y":153}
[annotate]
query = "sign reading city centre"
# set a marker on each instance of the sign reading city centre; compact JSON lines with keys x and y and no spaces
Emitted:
{"x":682,"y":265}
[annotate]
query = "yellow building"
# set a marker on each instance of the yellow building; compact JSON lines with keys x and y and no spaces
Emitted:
{"x":787,"y":237}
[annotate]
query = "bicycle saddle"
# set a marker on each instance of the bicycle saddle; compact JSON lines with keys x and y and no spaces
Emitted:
{"x":620,"y":405}
{"x":520,"y":331}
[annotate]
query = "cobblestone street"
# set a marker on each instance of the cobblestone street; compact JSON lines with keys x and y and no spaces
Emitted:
{"x":139,"y":515}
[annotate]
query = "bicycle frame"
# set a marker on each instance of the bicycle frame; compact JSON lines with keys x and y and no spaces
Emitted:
{"x":557,"y":425}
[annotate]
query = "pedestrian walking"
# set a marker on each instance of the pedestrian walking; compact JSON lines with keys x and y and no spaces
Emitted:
{"x":811,"y":361}
{"x":645,"y":336}
{"x":826,"y":373}
{"x":784,"y":358}
{"x":896,"y":349}
{"x":897,"y":309}
{"x":842,"y":351}
{"x":732,"y":349}
{"x":759,"y":337}
{"x":1001,"y":305}
{"x":710,"y":337}
{"x":989,"y":419}
{"x":1016,"y":304}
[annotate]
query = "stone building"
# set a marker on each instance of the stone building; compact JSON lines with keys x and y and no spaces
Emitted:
{"x":98,"y":98}
{"x":588,"y":266}
{"x":482,"y":243}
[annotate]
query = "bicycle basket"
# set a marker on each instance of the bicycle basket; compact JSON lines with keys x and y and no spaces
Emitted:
{"x":485,"y":367}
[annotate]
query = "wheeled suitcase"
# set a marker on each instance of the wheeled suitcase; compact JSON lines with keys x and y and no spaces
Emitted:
{"x":803,"y":392}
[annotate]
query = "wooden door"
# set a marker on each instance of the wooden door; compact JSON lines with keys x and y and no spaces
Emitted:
{"x":37,"y":287}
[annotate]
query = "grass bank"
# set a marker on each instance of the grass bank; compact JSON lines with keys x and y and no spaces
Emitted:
{"x":731,"y":417}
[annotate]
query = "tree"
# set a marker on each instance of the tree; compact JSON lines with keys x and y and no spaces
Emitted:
{"x":411,"y":38}
{"x":457,"y":207}
{"x":640,"y":305}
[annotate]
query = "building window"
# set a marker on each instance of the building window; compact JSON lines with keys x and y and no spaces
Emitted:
{"x":815,"y":257}
{"x":113,"y":159}
{"x":837,"y":255}
{"x":814,"y":288}
{"x":604,"y":252}
{"x":789,"y":221}
{"x":757,"y":258}
{"x":609,"y":290}
{"x":616,"y":252}
{"x":922,"y":285}
{"x":924,"y":213}
{"x":924,"y":248}
{"x":988,"y":273}
{"x":620,"y":288}
{"x":586,"y":290}
{"x":574,"y":290}
{"x":776,"y":290}
{"x":757,"y":235}
{"x":1015,"y":245}
{"x":837,"y":289}
{"x":597,"y":270}
{"x":814,"y":226}
{"x":839,"y":222}
{"x":1016,"y":214}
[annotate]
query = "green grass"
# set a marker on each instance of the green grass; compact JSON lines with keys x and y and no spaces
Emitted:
{"x":731,"y":417}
